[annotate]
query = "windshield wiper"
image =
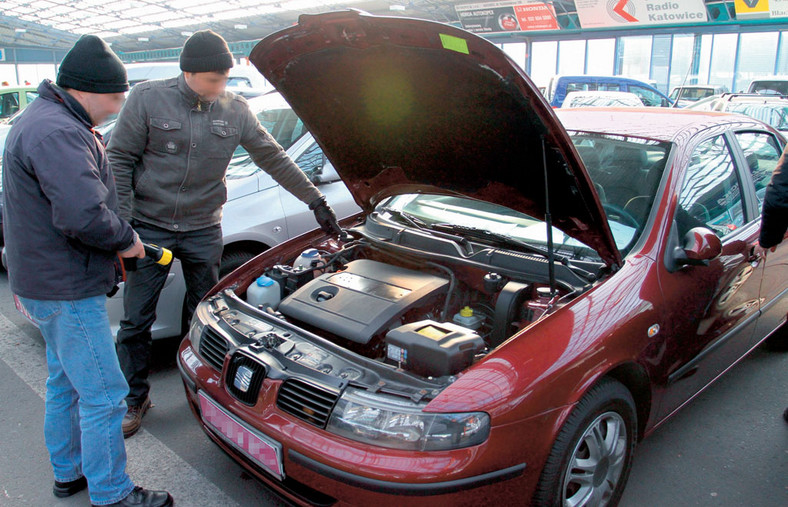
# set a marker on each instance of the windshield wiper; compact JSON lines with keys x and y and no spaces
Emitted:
{"x":502,"y":239}
{"x":418,"y":223}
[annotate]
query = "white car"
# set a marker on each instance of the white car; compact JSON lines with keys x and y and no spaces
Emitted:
{"x":601,"y":99}
{"x":258,"y":214}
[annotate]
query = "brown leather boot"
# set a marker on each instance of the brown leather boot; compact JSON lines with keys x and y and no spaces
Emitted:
{"x":133,"y":418}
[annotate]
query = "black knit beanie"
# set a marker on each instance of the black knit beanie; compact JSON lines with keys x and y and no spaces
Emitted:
{"x":91,"y":66}
{"x":206,"y":51}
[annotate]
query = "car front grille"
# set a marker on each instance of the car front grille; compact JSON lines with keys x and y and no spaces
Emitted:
{"x":246,"y":385}
{"x":213,"y":348}
{"x":306,"y":401}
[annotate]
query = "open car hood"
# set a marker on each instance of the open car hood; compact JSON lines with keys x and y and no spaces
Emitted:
{"x":403,"y":106}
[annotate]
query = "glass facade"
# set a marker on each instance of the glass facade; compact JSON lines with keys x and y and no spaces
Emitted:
{"x":665,"y":60}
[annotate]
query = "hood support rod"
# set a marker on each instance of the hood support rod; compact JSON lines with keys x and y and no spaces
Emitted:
{"x":548,"y":220}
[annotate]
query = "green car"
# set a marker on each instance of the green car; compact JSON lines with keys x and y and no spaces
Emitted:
{"x":15,"y":98}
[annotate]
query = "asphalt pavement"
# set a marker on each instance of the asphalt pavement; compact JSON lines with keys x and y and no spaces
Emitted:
{"x":729,"y":447}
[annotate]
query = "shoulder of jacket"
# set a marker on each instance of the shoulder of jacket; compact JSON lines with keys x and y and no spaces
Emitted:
{"x":156,"y":84}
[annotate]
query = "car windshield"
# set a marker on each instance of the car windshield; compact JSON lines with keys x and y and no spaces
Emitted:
{"x":775,"y":114}
{"x":625,"y":171}
{"x":692,"y":94}
{"x":766,"y":87}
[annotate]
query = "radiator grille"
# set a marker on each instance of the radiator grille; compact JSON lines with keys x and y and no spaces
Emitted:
{"x":306,"y":401}
{"x":245,"y":386}
{"x":213,"y":348}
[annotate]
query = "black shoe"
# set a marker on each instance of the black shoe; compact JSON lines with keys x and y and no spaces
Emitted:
{"x":140,"y":497}
{"x":65,"y":489}
{"x":132,"y":421}
{"x":785,"y":415}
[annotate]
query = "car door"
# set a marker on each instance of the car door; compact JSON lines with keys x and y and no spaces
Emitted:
{"x":761,"y":151}
{"x":710,"y":312}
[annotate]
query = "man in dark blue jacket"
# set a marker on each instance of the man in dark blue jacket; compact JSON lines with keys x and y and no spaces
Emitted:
{"x":63,"y":236}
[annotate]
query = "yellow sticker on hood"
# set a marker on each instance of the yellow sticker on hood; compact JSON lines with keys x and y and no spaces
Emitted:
{"x":453,"y":43}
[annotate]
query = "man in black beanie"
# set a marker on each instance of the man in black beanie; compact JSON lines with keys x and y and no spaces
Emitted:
{"x":62,"y":236}
{"x":169,"y":151}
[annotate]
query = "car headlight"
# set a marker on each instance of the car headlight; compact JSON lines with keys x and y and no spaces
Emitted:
{"x":195,"y":332}
{"x":387,"y":421}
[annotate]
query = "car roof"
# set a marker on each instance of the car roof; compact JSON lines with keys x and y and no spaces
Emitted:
{"x":661,"y":124}
{"x":5,"y":89}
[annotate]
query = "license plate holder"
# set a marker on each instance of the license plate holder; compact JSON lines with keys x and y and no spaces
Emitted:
{"x":263,"y":451}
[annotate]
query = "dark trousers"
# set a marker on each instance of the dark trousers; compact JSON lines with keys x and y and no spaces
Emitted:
{"x":200,"y":253}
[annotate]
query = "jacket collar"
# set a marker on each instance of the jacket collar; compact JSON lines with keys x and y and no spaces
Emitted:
{"x":50,"y":91}
{"x":191,"y":96}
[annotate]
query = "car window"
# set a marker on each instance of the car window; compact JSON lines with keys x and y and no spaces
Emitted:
{"x":775,"y":114}
{"x":609,"y":87}
{"x":283,"y":125}
{"x":240,"y":82}
{"x":31,"y":96}
{"x":311,"y":160}
{"x":711,"y":193}
{"x":9,"y":104}
{"x":648,"y":97}
{"x":762,"y":153}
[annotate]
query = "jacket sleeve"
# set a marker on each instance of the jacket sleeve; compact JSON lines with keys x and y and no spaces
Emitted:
{"x":774,"y":218}
{"x":70,"y":179}
{"x":270,"y":157}
{"x":126,"y":146}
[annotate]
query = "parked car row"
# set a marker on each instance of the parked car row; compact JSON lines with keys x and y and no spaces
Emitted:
{"x":474,"y":341}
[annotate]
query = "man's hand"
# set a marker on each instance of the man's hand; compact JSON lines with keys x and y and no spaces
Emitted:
{"x":135,"y":250}
{"x":325,"y":216}
{"x":760,"y":251}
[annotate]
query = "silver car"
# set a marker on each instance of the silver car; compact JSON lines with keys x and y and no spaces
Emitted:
{"x":258,"y":214}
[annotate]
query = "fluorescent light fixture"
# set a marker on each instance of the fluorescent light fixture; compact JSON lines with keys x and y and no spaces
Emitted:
{"x":187,"y":34}
{"x":396,"y":7}
{"x":20,"y":30}
{"x":240,"y":27}
{"x":143,"y":39}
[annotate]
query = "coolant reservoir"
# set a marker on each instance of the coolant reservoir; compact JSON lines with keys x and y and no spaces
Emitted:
{"x":305,"y":260}
{"x":264,"y":292}
{"x":466,"y":318}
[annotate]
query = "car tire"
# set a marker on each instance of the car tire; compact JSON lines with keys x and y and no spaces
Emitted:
{"x":604,"y":420}
{"x":233,"y":260}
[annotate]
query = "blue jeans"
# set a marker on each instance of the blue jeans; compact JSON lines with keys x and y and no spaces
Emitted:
{"x":85,"y":396}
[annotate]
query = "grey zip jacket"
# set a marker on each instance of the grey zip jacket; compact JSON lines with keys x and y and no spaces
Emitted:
{"x":169,"y":152}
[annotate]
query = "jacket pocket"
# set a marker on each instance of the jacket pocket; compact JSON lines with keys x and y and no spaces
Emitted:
{"x":224,"y":139}
{"x":166,"y":136}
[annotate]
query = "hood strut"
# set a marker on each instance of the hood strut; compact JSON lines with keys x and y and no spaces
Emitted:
{"x":548,"y":222}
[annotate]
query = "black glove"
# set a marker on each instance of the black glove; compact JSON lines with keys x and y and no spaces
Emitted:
{"x":325,"y":216}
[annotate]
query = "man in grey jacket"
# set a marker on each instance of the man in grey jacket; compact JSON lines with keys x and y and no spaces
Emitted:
{"x":169,"y":151}
{"x":63,"y":236}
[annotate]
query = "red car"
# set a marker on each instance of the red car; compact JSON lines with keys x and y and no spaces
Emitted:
{"x":521,"y":300}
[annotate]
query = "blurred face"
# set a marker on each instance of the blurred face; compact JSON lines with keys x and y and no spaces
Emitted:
{"x":208,"y":85}
{"x":99,"y":106}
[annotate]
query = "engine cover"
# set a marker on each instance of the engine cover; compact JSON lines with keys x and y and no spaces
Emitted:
{"x":362,"y":301}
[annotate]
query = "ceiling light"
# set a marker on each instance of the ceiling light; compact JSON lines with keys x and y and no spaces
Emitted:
{"x":187,"y":34}
{"x":143,"y":39}
{"x":20,"y":30}
{"x":240,"y":27}
{"x":396,"y":7}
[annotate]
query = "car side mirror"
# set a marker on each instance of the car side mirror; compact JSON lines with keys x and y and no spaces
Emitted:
{"x":699,"y":246}
{"x":325,"y":174}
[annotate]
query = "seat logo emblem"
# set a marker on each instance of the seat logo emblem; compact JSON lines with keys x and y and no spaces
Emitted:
{"x":243,"y":377}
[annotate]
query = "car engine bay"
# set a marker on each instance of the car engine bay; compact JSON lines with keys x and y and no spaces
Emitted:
{"x":378,"y":312}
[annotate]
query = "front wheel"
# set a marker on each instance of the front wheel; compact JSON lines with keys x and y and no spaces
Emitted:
{"x":592,"y":455}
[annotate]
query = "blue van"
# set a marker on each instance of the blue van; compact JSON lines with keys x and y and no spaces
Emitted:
{"x":559,"y":86}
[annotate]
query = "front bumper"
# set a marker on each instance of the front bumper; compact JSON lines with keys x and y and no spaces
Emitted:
{"x":306,"y":476}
